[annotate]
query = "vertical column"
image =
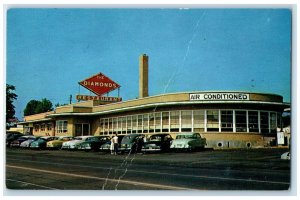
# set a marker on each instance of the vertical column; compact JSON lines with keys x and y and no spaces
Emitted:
{"x":205,"y":121}
{"x":259,"y":128}
{"x":234,"y":121}
{"x":219,"y":120}
{"x":247,"y":121}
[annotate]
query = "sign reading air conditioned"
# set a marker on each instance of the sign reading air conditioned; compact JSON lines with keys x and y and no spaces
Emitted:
{"x":219,"y":97}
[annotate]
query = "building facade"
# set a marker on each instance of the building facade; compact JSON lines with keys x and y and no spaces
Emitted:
{"x":226,"y":119}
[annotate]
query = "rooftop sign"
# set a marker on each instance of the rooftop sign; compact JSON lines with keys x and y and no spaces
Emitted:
{"x":219,"y":97}
{"x":99,"y":84}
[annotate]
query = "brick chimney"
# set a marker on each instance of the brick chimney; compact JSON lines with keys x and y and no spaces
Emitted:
{"x":143,"y":79}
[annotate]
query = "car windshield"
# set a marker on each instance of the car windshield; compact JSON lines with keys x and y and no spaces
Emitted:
{"x":129,"y":138}
{"x":185,"y":137}
{"x":155,"y":138}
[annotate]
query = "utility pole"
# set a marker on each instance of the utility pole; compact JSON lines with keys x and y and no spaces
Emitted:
{"x":70,"y":99}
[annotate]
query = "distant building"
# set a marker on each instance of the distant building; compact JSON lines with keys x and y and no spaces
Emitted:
{"x":227,"y":119}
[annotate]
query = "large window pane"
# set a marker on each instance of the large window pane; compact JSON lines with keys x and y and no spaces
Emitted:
{"x":241,"y":121}
{"x":140,"y":123}
{"x":174,"y":120}
{"x":146,"y":123}
{"x":273,"y":125}
{"x":227,"y":120}
{"x":186,"y":120}
{"x":253,"y":121}
{"x":199,"y":120}
{"x":213,"y":120}
{"x":134,"y":124}
{"x":129,"y":124}
{"x":264,"y":122}
{"x":158,"y":122}
{"x":123,"y":119}
{"x":151,"y":122}
{"x":165,"y":121}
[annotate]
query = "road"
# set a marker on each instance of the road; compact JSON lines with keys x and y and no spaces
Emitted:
{"x":249,"y":169}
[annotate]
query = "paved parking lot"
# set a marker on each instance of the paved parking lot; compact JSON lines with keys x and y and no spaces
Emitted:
{"x":247,"y":169}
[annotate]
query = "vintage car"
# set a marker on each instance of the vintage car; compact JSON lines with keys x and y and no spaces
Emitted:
{"x":42,"y":142}
{"x":106,"y":146}
{"x":26,"y":143}
{"x":158,"y":143}
{"x":188,"y":141}
{"x":56,"y":144}
{"x":17,"y":142}
{"x":93,"y":143}
{"x":11,"y":136}
{"x":74,"y":143}
{"x":286,"y":156}
{"x":132,"y":143}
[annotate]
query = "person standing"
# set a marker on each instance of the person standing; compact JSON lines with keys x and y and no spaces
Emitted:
{"x":116,"y":144}
{"x":112,"y":145}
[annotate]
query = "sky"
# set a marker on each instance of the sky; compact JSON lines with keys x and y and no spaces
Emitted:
{"x":48,"y":51}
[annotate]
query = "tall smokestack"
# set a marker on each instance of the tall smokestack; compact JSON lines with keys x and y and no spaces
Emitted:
{"x":143,"y":80}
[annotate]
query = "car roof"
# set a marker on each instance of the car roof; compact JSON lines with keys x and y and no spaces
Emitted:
{"x":159,"y":134}
{"x":187,"y":133}
{"x":85,"y":136}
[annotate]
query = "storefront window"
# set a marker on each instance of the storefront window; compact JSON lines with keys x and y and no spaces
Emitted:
{"x":253,"y":121}
{"x":110,"y":126}
{"x":140,"y":123}
{"x":165,"y":121}
{"x":106,"y":126}
{"x":213,"y":120}
{"x":199,"y":120}
{"x":49,"y":126}
{"x":129,"y":124}
{"x":174,"y":121}
{"x":151,"y":122}
{"x":264,"y":122}
{"x":134,"y":124}
{"x":101,"y":126}
{"x":186,"y":120}
{"x":61,"y":126}
{"x":227,"y":120}
{"x":145,"y":123}
{"x":119,"y":125}
{"x":241,"y":121}
{"x":36,"y":127}
{"x":273,"y":125}
{"x":115,"y":125}
{"x":82,"y":129}
{"x":123,"y":119}
{"x":158,"y":122}
{"x":43,"y":126}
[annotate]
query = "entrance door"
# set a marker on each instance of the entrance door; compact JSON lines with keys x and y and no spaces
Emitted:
{"x":82,"y":129}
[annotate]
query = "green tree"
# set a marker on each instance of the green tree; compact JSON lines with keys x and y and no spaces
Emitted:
{"x":10,"y":97}
{"x":35,"y":107}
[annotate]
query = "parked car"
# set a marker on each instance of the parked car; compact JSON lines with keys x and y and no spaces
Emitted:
{"x":132,"y":143}
{"x":158,"y":143}
{"x":74,"y":143}
{"x":26,"y":143}
{"x":286,"y":156}
{"x":106,"y":146}
{"x":11,"y":136}
{"x":42,"y":142}
{"x":93,"y":143}
{"x":17,"y":142}
{"x":56,"y":144}
{"x":188,"y":141}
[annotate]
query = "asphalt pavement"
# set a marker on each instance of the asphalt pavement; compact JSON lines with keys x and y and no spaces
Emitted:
{"x":226,"y":170}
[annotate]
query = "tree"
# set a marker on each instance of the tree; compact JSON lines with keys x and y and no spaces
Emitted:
{"x":35,"y":107}
{"x":10,"y":97}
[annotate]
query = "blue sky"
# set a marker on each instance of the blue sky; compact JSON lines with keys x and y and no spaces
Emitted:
{"x":50,"y":50}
